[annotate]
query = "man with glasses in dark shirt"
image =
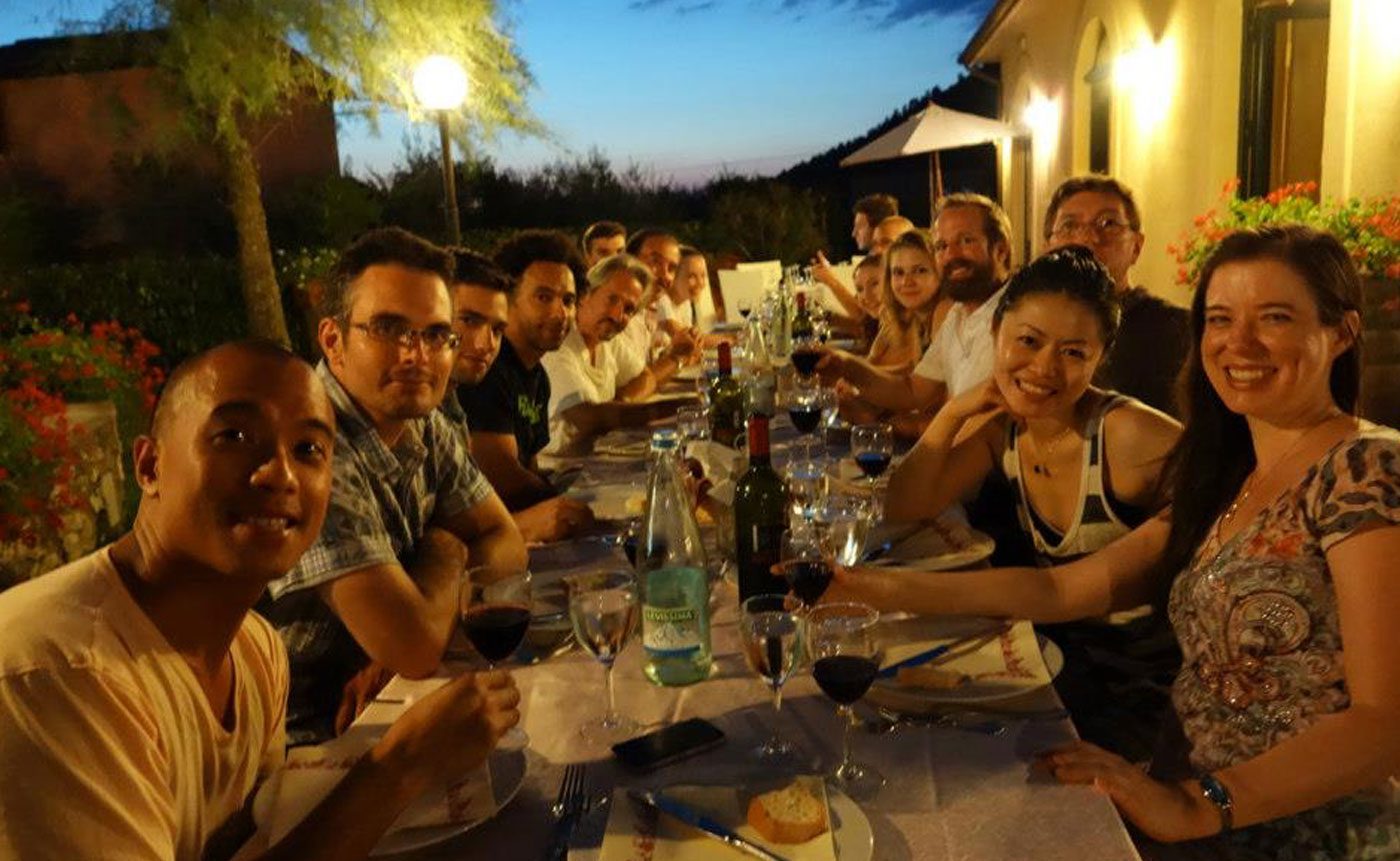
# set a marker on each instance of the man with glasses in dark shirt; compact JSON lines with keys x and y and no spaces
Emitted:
{"x":1154,"y":336}
{"x":377,"y":592}
{"x":507,"y":407}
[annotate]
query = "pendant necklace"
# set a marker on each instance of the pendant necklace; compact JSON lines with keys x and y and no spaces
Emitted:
{"x":1042,"y":467}
{"x":1256,"y":477}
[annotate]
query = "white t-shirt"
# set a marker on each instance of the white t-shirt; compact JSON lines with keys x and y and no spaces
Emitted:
{"x":108,"y":746}
{"x":960,"y":354}
{"x":574,"y":378}
{"x":686,"y":314}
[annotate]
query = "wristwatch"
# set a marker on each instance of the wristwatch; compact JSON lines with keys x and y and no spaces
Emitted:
{"x":1216,"y":793}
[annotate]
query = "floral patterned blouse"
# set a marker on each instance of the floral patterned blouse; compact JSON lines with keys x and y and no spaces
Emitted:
{"x":1262,"y":648}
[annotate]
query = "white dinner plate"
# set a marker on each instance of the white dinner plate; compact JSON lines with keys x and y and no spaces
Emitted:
{"x":943,"y":545}
{"x":507,"y":776}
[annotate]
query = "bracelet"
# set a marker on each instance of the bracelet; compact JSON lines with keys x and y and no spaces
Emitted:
{"x":1215,"y":792}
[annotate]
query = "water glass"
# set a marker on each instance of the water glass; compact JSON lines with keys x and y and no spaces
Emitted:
{"x":604,"y":610}
{"x":842,"y":524}
{"x":806,"y":487}
{"x":772,"y":638}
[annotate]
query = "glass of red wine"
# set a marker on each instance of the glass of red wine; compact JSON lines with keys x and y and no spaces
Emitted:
{"x":844,"y":644}
{"x":803,"y":566}
{"x":806,"y":353}
{"x":494,"y":609}
{"x":805,"y":410}
{"x":872,"y":446}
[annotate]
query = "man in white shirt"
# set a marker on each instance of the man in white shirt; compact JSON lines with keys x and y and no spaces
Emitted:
{"x":141,"y":702}
{"x":597,"y":382}
{"x":972,"y":251}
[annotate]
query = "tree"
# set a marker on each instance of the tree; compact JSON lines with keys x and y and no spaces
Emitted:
{"x":230,"y":64}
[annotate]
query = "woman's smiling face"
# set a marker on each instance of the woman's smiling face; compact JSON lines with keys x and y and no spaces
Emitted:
{"x":1047,"y":350}
{"x":913,"y":281}
{"x":1264,"y":348}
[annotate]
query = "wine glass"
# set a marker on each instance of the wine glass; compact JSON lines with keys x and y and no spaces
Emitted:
{"x":803,"y":565}
{"x":806,"y":483}
{"x":693,"y":425}
{"x":846,"y":653}
{"x":805,"y":409}
{"x":872,"y":446}
{"x":494,"y":607}
{"x":806,"y":353}
{"x":772,"y":637}
{"x":745,"y":307}
{"x":842,"y":524}
{"x":604,"y":612}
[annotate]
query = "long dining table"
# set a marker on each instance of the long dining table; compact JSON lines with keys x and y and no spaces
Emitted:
{"x":953,"y":793}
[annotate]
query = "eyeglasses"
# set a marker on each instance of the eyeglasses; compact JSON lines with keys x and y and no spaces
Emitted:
{"x":1104,"y":227}
{"x":394,"y":331}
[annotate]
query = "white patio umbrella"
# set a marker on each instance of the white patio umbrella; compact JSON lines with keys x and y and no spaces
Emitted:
{"x":933,"y":129}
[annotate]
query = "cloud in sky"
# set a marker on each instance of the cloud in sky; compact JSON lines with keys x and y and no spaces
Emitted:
{"x":879,"y":13}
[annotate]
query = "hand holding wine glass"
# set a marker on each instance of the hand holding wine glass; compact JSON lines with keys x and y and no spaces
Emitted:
{"x":845,"y":647}
{"x":494,"y":608}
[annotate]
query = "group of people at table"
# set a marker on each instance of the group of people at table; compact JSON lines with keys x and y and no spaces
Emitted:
{"x":142,"y":700}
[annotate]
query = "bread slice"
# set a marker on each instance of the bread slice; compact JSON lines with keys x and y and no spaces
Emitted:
{"x":929,"y":678}
{"x":788,"y":815}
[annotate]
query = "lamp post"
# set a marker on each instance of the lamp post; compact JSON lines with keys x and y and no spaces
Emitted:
{"x":440,"y":84}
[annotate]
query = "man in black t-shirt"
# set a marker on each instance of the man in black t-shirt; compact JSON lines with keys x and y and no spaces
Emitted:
{"x":1154,"y":336}
{"x":507,"y":408}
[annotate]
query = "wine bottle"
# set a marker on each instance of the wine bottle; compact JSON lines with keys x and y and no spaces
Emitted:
{"x":672,"y":573}
{"x":726,"y":400}
{"x":760,"y":516}
{"x":804,"y":327}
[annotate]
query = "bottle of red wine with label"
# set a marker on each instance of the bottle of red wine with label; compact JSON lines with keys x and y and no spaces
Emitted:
{"x":804,"y":326}
{"x":726,"y":400}
{"x":760,"y":516}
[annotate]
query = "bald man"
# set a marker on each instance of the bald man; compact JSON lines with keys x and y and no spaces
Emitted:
{"x":141,"y":702}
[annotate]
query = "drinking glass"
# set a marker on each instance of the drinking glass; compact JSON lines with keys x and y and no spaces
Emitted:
{"x":803,"y":566}
{"x":745,"y":307}
{"x":804,"y":406}
{"x":494,"y":607}
{"x":872,"y":446}
{"x":806,"y":484}
{"x":842,"y":524}
{"x":845,"y":649}
{"x":603,"y":609}
{"x":806,"y":353}
{"x":693,"y":424}
{"x":772,"y":637}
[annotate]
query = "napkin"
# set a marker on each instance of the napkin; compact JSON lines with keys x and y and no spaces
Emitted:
{"x":310,"y":774}
{"x":635,"y":834}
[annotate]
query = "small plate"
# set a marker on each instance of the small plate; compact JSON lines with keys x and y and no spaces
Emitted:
{"x":507,"y":776}
{"x":1008,"y":667}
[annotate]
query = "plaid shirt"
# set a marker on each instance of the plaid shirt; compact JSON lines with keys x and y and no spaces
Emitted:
{"x":382,"y":500}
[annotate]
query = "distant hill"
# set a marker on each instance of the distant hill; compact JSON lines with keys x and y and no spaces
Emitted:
{"x":974,"y":95}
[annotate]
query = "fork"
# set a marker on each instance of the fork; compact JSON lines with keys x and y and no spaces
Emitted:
{"x":567,"y":809}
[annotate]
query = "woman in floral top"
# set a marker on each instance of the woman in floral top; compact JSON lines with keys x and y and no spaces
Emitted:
{"x":1280,"y":547}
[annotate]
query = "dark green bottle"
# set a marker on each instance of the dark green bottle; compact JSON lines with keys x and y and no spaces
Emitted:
{"x":760,"y":517}
{"x":726,"y":400}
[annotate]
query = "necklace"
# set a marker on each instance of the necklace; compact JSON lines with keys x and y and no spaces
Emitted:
{"x":1256,"y":477}
{"x":1044,"y":457}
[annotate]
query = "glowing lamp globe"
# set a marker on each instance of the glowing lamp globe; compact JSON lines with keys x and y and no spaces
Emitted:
{"x":440,"y":83}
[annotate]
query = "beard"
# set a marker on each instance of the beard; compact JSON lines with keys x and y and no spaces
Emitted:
{"x":976,"y":281}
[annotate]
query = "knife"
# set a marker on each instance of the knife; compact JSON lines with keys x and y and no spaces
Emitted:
{"x":694,"y":818}
{"x":898,"y":537}
{"x":938,"y":654}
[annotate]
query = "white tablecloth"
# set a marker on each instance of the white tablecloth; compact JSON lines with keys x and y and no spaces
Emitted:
{"x":951,"y":794}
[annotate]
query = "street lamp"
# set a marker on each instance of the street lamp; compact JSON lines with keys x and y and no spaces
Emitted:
{"x":440,"y":83}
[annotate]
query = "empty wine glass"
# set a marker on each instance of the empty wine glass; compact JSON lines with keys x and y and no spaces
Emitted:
{"x":603,"y":609}
{"x":845,"y":648}
{"x":842,"y":524}
{"x":693,"y":425}
{"x":806,"y":483}
{"x":772,"y":637}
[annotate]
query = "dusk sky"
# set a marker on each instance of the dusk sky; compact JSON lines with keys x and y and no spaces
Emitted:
{"x":686,"y":88}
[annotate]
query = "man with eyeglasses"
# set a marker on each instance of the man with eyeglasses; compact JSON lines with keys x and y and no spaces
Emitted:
{"x":1154,"y":336}
{"x":376,"y":593}
{"x":509,"y":404}
{"x":972,"y":251}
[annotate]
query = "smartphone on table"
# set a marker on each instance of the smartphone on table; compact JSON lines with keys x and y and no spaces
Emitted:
{"x":668,"y":744}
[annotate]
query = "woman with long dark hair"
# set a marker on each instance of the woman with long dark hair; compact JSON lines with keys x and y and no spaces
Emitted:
{"x":1279,"y":550}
